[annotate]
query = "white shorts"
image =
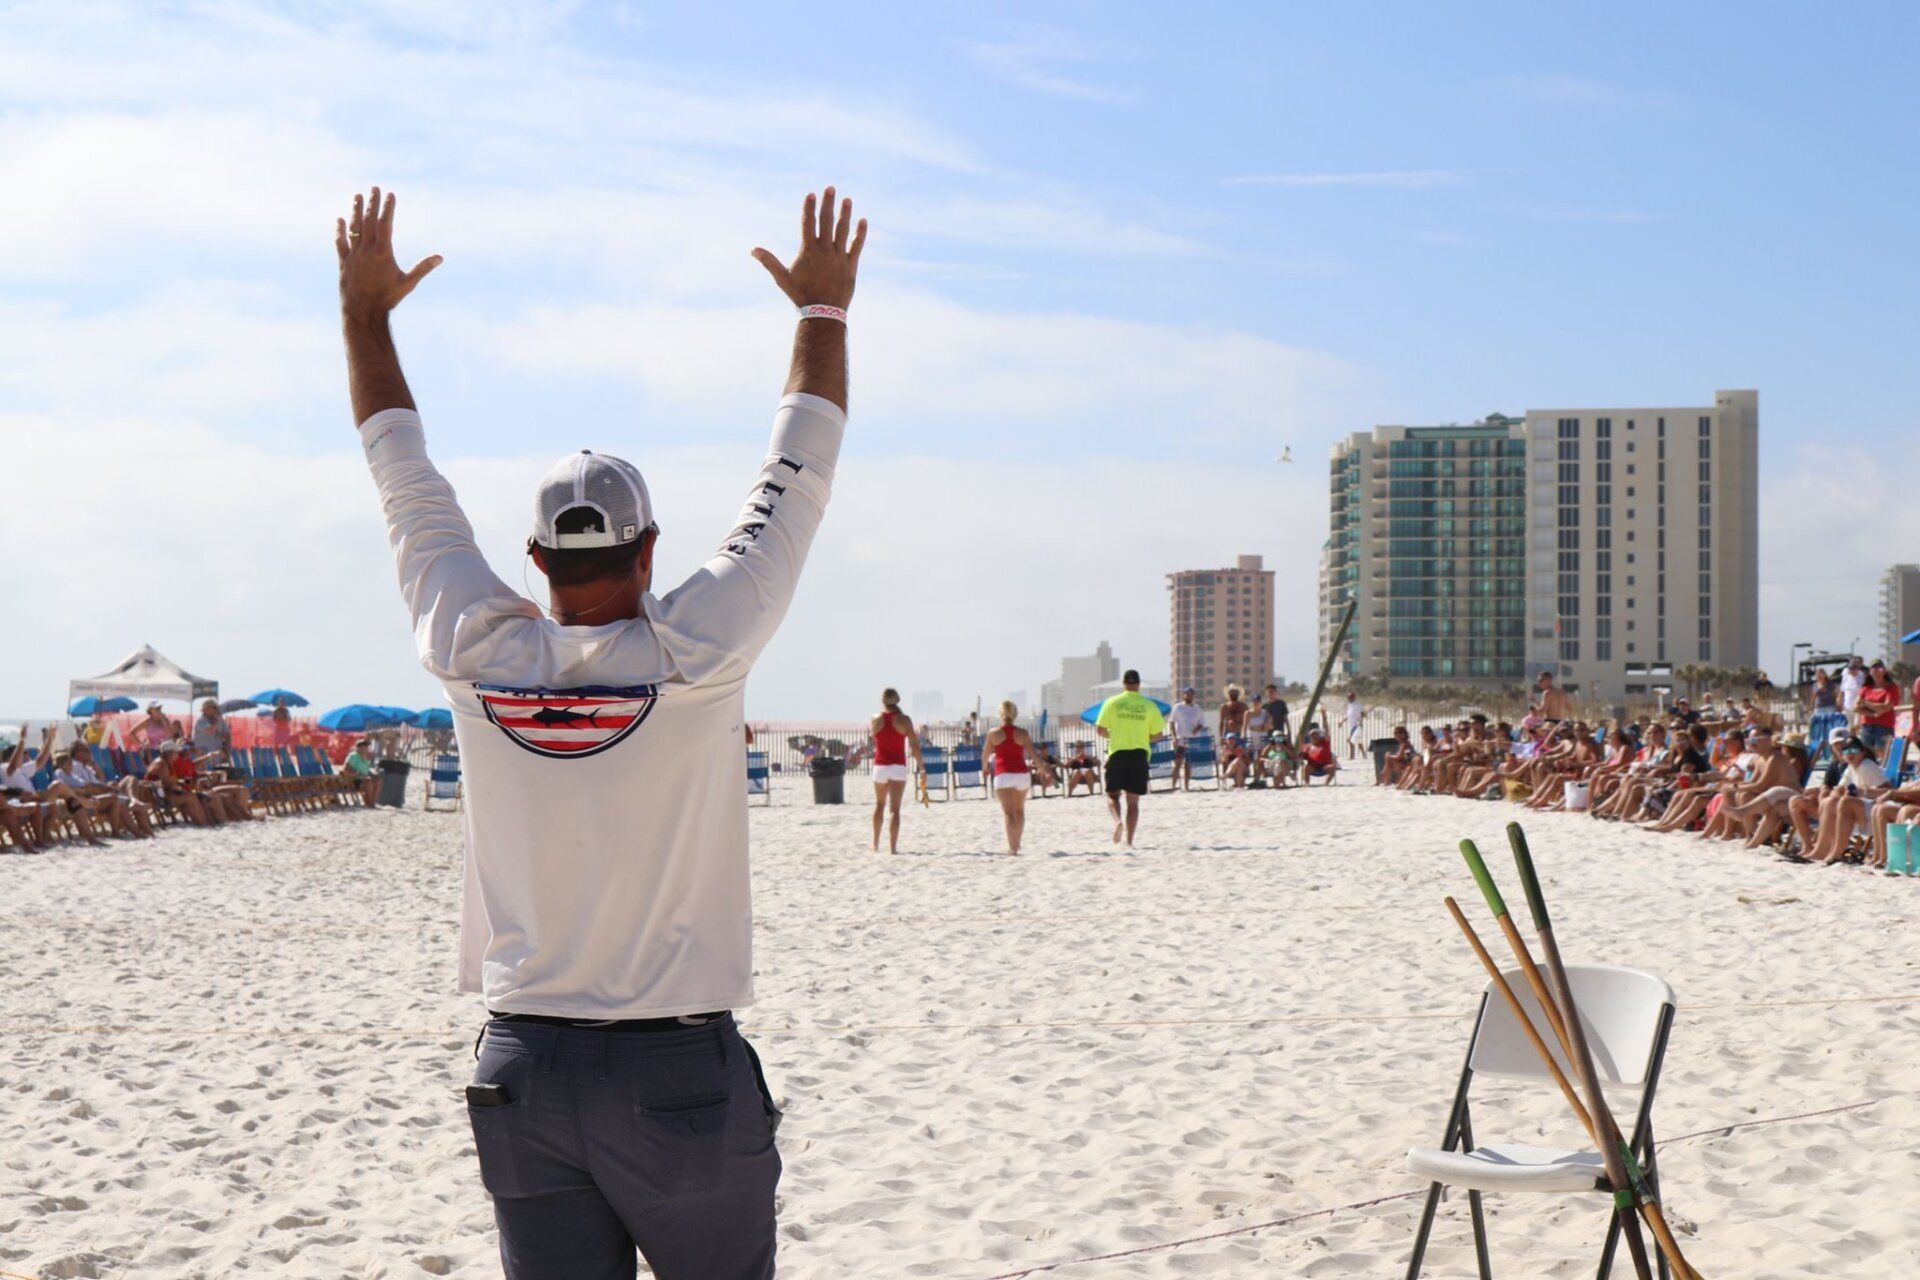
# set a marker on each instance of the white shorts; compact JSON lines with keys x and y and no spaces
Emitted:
{"x":891,"y":773}
{"x":1012,"y":781}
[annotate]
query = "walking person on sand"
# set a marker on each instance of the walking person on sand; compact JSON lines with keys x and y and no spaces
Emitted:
{"x":607,"y":917}
{"x":1130,"y":723}
{"x":1008,"y":748}
{"x":893,"y":736}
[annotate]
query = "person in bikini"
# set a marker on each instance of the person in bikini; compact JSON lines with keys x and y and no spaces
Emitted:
{"x":1009,"y":749}
{"x":893,"y":737}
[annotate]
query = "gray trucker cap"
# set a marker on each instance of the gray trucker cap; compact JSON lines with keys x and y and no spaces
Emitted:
{"x":608,"y":486}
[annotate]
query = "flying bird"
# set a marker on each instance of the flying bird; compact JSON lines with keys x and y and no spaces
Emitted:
{"x":1286,"y":455}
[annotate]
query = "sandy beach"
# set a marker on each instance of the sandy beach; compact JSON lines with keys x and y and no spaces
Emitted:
{"x":240,"y":1052}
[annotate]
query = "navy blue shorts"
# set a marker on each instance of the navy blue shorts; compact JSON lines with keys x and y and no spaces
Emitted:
{"x":611,"y":1143}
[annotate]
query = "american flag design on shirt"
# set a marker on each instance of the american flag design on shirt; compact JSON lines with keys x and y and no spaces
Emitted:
{"x":567,"y":724}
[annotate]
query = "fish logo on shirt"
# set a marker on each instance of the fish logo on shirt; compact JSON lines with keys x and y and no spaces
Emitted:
{"x":567,"y":724}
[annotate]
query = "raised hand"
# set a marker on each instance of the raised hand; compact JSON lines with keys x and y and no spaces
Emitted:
{"x":371,"y":282}
{"x":823,"y":271}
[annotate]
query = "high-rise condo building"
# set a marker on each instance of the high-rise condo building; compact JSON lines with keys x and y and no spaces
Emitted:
{"x":1222,"y":627}
{"x":1606,"y":545}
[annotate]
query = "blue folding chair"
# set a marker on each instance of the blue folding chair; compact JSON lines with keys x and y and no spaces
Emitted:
{"x":1160,"y":764}
{"x":967,"y":772}
{"x":1203,"y":765}
{"x":938,"y":772}
{"x":443,"y":779}
{"x":759,"y":776}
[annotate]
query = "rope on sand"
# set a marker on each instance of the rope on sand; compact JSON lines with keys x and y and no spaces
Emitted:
{"x":1305,"y":1019}
{"x":1170,"y":1245}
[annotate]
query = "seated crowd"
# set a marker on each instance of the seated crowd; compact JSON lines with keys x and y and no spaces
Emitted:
{"x":1736,"y":778}
{"x":165,"y":775}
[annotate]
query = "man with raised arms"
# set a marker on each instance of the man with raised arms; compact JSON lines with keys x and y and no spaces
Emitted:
{"x":607,"y":919}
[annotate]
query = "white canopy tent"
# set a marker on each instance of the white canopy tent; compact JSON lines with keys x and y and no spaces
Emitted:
{"x":146,"y":675}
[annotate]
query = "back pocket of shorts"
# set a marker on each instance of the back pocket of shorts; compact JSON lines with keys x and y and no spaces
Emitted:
{"x":684,"y":1140}
{"x":498,"y":1132}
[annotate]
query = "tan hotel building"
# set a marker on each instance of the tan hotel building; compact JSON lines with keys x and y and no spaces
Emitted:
{"x":1222,"y":627}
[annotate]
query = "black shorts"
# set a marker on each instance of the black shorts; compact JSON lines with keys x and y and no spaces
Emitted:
{"x":1127,"y":771}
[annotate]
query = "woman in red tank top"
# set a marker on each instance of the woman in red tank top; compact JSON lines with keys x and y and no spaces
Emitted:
{"x":1007,"y":747}
{"x":893,"y":736}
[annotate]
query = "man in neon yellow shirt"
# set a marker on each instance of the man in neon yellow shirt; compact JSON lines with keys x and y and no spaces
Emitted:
{"x":1130,"y":723}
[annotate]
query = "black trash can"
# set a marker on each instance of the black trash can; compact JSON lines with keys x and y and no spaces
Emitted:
{"x":1381,"y":748}
{"x":829,"y":779}
{"x":393,"y":783}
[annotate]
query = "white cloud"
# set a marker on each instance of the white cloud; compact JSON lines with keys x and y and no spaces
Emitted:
{"x":1036,"y":59}
{"x":940,"y":367}
{"x":172,"y":177}
{"x":214,"y":350}
{"x":259,"y":568}
{"x":1832,"y":521}
{"x":1400,"y":179}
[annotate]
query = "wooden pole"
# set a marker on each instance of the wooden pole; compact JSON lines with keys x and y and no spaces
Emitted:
{"x":1326,"y":669}
{"x":1623,"y":1170}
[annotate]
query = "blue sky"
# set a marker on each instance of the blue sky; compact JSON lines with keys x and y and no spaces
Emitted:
{"x":1118,"y":260}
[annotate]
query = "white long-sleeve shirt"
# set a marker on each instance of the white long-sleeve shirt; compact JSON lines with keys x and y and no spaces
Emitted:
{"x":605,"y":796}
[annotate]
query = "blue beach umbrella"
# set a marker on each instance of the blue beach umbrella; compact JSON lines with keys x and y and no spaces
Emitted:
{"x":266,"y":696}
{"x":1092,"y":714}
{"x":1912,"y":637}
{"x":355,"y":717}
{"x":91,"y":705}
{"x":433,"y":718}
{"x":395,"y":715}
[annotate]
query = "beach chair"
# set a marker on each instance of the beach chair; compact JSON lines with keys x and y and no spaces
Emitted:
{"x":1040,"y":789}
{"x":301,"y":789}
{"x":1160,"y":765}
{"x":938,"y":773}
{"x":317,"y":774}
{"x":240,"y":772}
{"x":443,"y":780}
{"x":968,"y":775}
{"x":1627,"y":1014}
{"x":1895,"y":762}
{"x":1203,"y":764}
{"x":262,"y":778}
{"x":759,"y":777}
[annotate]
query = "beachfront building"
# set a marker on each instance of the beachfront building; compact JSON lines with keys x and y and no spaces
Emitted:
{"x":1072,"y":693}
{"x":1606,"y":545}
{"x":1429,"y":534}
{"x":1222,"y":626}
{"x":1900,"y":612}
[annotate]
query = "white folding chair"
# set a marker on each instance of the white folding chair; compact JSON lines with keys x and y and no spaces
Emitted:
{"x":1627,"y":1014}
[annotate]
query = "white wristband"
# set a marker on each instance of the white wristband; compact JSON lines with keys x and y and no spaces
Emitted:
{"x":820,"y":311}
